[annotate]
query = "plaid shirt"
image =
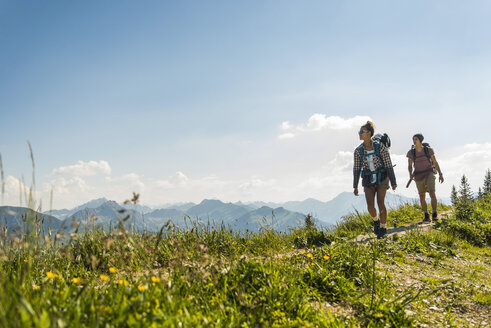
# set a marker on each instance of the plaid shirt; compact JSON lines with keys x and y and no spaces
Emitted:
{"x":358,"y":166}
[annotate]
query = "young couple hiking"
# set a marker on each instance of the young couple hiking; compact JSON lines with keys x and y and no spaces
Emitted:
{"x":372,"y":162}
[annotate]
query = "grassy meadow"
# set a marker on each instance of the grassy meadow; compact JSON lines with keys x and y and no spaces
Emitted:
{"x":214,"y":277}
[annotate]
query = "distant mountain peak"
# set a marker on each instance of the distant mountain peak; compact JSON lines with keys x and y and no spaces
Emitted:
{"x":264,"y":208}
{"x":110,"y":203}
{"x":211,"y":201}
{"x":310,"y":199}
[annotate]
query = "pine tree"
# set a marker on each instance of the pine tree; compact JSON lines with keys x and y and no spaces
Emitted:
{"x":453,"y":196}
{"x":464,"y":206}
{"x":487,"y":182}
{"x":465,"y":193}
{"x":479,"y":193}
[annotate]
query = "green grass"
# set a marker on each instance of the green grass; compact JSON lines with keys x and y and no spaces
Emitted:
{"x":215,"y":277}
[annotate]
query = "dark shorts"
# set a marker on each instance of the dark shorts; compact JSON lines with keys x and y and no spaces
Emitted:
{"x":374,"y":187}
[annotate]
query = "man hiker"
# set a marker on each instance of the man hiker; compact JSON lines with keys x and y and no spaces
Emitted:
{"x":421,"y":158}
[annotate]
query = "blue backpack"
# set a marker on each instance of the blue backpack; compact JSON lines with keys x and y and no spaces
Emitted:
{"x":377,"y":140}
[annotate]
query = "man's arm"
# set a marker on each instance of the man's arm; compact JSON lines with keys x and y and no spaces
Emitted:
{"x":437,"y":167}
{"x":410,"y":167}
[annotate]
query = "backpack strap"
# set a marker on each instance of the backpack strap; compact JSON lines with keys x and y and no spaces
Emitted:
{"x":376,"y":147}
{"x":427,"y":152}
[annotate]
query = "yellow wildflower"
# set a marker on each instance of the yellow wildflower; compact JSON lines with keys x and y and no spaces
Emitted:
{"x":310,"y":256}
{"x":104,"y":277}
{"x":155,"y":279}
{"x":312,"y":263}
{"x":379,"y":315}
{"x":52,"y":275}
{"x":122,"y":282}
{"x":25,"y":261}
{"x":141,"y":288}
{"x":326,"y":257}
{"x":77,"y":281}
{"x":104,"y":309}
{"x":302,"y":252}
{"x":36,"y":287}
{"x":113,"y":270}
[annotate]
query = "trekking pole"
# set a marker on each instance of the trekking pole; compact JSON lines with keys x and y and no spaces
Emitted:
{"x":408,"y":183}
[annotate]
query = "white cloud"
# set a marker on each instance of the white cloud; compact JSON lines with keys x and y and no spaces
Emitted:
{"x":319,"y":122}
{"x":286,"y":125}
{"x":84,"y":169}
{"x":343,"y":160}
{"x":124,"y":185}
{"x":17,"y":192}
{"x":61,"y":185}
{"x":288,"y":135}
{"x":472,"y":160}
{"x":330,"y":179}
{"x":179,"y":178}
{"x":256,"y":183}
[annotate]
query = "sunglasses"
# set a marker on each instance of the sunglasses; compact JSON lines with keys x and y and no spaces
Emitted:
{"x":362,"y":131}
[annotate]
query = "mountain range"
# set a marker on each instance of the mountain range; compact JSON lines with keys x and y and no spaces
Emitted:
{"x":240,"y":216}
{"x":20,"y":219}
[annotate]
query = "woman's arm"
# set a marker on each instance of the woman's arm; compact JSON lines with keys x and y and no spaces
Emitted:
{"x":356,"y":170}
{"x":388,"y":166}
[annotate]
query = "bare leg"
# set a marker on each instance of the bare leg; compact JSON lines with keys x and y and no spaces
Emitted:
{"x":381,"y":204}
{"x":422,"y":200}
{"x":370,"y":198}
{"x":433,"y":200}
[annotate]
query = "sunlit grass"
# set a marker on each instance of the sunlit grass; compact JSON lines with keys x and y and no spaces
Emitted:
{"x":213,"y":276}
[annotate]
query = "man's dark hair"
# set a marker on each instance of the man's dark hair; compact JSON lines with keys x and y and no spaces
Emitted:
{"x":419,"y":136}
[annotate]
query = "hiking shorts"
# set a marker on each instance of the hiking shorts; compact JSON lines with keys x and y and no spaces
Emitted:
{"x":384,"y":184}
{"x":427,"y":184}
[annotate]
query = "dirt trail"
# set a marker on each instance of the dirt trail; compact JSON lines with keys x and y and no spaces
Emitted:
{"x":403,"y":229}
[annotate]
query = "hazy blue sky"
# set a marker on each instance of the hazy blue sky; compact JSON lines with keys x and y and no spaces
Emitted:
{"x":185,"y":100}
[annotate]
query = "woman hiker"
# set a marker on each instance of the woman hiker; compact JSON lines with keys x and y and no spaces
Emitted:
{"x":422,"y":158}
{"x":372,"y":162}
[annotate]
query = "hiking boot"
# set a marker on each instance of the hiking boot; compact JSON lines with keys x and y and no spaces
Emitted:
{"x":426,"y":219}
{"x":434,"y":216}
{"x":381,"y":233}
{"x":376,"y":227}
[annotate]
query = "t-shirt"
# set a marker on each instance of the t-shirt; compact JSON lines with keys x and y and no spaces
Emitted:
{"x":421,"y":163}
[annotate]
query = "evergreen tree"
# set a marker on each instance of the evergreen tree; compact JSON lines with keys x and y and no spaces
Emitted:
{"x":465,"y":193}
{"x":453,"y":196}
{"x":487,"y":182}
{"x":464,"y":204}
{"x":479,"y":193}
